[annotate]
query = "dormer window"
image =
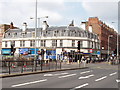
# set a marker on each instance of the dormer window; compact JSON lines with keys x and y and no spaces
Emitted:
{"x":8,"y":33}
{"x":15,"y":33}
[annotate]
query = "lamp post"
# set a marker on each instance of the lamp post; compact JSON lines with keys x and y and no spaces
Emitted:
{"x":109,"y":43}
{"x":36,"y":25}
{"x":117,"y":43}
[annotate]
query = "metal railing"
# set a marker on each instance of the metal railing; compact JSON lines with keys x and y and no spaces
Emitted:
{"x":8,"y":67}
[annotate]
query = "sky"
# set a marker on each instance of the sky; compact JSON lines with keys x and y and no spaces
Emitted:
{"x":59,"y":12}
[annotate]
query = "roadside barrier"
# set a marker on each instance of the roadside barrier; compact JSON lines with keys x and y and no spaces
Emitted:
{"x":9,"y":67}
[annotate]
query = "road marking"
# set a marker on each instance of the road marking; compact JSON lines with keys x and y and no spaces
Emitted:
{"x":60,"y":74}
{"x":22,"y":84}
{"x":86,"y":72}
{"x":113,"y":74}
{"x":101,"y":78}
{"x":81,"y":86}
{"x":48,"y":75}
{"x":117,"y":81}
{"x":98,"y":67}
{"x":67,"y":75}
{"x":54,"y":74}
{"x":86,"y":76}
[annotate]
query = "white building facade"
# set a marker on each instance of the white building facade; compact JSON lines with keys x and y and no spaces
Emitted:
{"x":53,"y":38}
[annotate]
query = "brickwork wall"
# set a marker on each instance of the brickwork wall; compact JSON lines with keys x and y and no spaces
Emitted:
{"x":103,"y":31}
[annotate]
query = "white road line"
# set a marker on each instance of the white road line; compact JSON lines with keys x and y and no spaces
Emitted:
{"x":86,"y":72}
{"x":112,"y":74}
{"x":86,"y":76}
{"x":101,"y":78}
{"x":54,"y":74}
{"x":48,"y":75}
{"x":117,"y":81}
{"x":27,"y":83}
{"x":60,"y":74}
{"x":81,"y":86}
{"x":67,"y":75}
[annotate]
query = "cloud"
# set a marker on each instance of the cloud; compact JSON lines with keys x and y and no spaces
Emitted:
{"x":19,"y":11}
{"x":106,"y":11}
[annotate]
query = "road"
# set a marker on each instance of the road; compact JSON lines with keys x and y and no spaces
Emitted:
{"x":99,"y":75}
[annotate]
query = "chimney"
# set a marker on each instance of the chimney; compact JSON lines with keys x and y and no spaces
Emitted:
{"x":83,"y":25}
{"x":45,"y":25}
{"x":24,"y":26}
{"x":90,"y":29}
{"x":72,"y":23}
{"x":11,"y":25}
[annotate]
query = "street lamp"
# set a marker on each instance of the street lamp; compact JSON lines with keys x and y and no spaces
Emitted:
{"x":108,"y":44}
{"x":38,"y":22}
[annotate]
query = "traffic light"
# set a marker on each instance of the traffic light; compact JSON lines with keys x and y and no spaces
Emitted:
{"x":42,"y":51}
{"x":12,"y":49}
{"x":78,"y":45}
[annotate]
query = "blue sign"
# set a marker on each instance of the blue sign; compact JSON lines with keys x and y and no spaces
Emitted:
{"x":50,"y":54}
{"x":6,"y":51}
{"x":98,"y":52}
{"x":24,"y":50}
{"x":33,"y":50}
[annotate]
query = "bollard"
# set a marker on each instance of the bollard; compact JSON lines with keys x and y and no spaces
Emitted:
{"x":60,"y":64}
{"x":22,"y":67}
{"x":35,"y":65}
{"x":41,"y":65}
{"x":9,"y":67}
{"x":79,"y":63}
{"x":56,"y":64}
{"x":49,"y":65}
{"x":32,"y":65}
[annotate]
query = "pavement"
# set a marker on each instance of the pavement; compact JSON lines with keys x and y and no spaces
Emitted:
{"x":98,"y":75}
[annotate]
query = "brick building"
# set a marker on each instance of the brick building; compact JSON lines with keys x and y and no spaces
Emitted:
{"x":4,"y":28}
{"x":104,"y":31}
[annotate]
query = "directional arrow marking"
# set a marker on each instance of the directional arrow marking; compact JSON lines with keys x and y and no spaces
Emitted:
{"x":86,"y":76}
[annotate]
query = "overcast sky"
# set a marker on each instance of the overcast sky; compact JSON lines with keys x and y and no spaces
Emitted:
{"x":60,"y":12}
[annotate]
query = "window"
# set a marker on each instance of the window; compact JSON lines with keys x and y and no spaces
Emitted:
{"x":81,"y":44}
{"x":15,"y":33}
{"x":61,"y":43}
{"x":54,"y":43}
{"x":73,"y":43}
{"x":33,"y":34}
{"x":32,"y":43}
{"x":42,"y":43}
{"x":20,"y":43}
{"x":23,"y":43}
{"x":62,"y":33}
{"x":55,"y":34}
{"x":91,"y":44}
{"x":5,"y":43}
{"x":8,"y":33}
